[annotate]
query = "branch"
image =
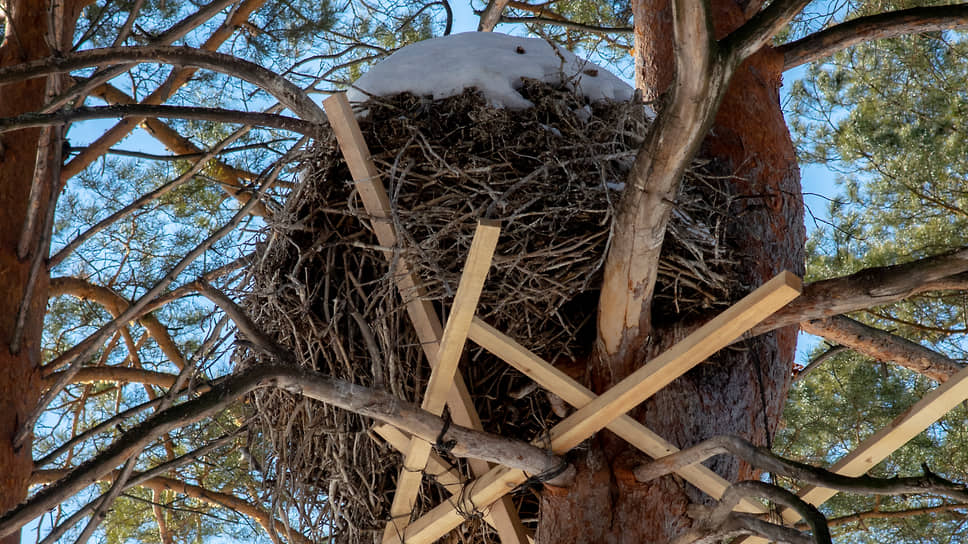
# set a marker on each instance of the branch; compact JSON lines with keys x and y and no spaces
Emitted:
{"x":760,"y":29}
{"x":897,"y":514}
{"x":819,"y":360}
{"x":872,"y":287}
{"x":491,"y":15}
{"x":285,"y":91}
{"x":720,"y":521}
{"x":122,"y":374}
{"x":361,"y":400}
{"x":116,"y":305}
{"x":767,"y":461}
{"x":567,"y":24}
{"x":873,"y":27}
{"x":643,"y":211}
{"x":140,"y":111}
{"x":883,"y":346}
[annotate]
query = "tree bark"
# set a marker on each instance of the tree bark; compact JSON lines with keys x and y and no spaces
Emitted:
{"x":24,"y":203}
{"x":739,"y":391}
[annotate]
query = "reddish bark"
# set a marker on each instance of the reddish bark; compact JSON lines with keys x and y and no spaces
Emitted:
{"x":27,"y":22}
{"x":739,"y":391}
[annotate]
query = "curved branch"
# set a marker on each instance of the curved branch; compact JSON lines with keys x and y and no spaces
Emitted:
{"x":631,"y":265}
{"x":116,"y":305}
{"x":872,"y":287}
{"x":141,"y":111}
{"x":873,"y":27}
{"x":564,"y":23}
{"x":765,"y":460}
{"x":760,"y":29}
{"x":365,"y":401}
{"x":883,"y":346}
{"x":285,"y":91}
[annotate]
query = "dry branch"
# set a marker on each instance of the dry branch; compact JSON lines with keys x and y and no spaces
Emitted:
{"x":872,"y":27}
{"x":872,"y":287}
{"x":286,"y":92}
{"x":365,"y":401}
{"x":884,"y":346}
{"x":767,"y":461}
{"x":140,"y":111}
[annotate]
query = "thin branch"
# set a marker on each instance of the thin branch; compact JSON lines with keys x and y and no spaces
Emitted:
{"x":872,"y":287}
{"x":719,"y":521}
{"x":765,"y":460}
{"x":897,"y":514}
{"x":77,"y":354}
{"x":872,"y":27}
{"x":170,"y":36}
{"x":285,"y":91}
{"x":883,"y":346}
{"x":61,"y":117}
{"x":123,"y":374}
{"x":376,"y":404}
{"x":116,"y":305}
{"x":819,"y":360}
{"x":175,"y":80}
{"x":564,"y":23}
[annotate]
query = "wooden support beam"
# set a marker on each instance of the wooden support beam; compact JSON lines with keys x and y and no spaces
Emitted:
{"x":547,"y":376}
{"x":437,"y":468}
{"x":442,"y":375}
{"x":932,"y":407}
{"x":640,"y":385}
{"x":422,"y":314}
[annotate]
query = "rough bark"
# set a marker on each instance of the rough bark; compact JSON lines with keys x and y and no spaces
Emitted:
{"x":739,"y":391}
{"x":27,"y":22}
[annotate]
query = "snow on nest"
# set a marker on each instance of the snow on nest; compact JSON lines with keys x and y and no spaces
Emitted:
{"x":493,"y":63}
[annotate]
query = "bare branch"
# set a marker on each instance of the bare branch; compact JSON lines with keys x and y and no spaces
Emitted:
{"x":883,"y":346}
{"x":720,"y":521}
{"x":379,"y":405}
{"x":872,"y":287}
{"x":643,"y":211}
{"x":765,"y":460}
{"x":873,"y":27}
{"x":564,"y":23}
{"x":491,"y":15}
{"x":286,"y":92}
{"x":760,"y":29}
{"x":140,"y":111}
{"x":819,"y":360}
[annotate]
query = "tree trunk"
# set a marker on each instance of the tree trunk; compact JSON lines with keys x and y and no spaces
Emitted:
{"x":25,"y":40}
{"x":738,"y":391}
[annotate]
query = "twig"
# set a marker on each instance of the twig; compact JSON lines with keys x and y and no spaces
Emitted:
{"x":567,"y":24}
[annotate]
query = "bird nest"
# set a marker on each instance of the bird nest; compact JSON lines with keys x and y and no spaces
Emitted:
{"x":325,"y":289}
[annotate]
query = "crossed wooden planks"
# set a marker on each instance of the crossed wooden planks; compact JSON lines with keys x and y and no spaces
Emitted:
{"x":425,"y":321}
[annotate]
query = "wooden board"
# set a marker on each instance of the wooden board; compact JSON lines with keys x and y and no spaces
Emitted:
{"x":438,"y":469}
{"x":657,"y":373}
{"x":422,"y":314}
{"x":932,"y":407}
{"x":442,"y":375}
{"x":550,"y":378}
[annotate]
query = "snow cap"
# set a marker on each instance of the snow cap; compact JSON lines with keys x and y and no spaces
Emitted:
{"x":493,"y":63}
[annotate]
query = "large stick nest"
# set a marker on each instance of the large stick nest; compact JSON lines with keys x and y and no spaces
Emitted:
{"x":325,"y":289}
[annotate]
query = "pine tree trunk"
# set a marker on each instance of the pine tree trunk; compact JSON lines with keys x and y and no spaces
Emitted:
{"x":27,"y":25}
{"x":740,"y":390}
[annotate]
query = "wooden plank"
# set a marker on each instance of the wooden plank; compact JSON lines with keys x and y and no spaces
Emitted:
{"x":442,"y":375}
{"x":550,"y":378}
{"x":422,"y":313}
{"x":657,"y":373}
{"x":438,"y":468}
{"x":932,"y":407}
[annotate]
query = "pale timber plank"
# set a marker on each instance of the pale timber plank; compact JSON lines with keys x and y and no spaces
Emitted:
{"x":422,"y":313}
{"x":442,"y":375}
{"x":550,"y":378}
{"x":932,"y":407}
{"x":439,"y":469}
{"x":657,"y":373}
